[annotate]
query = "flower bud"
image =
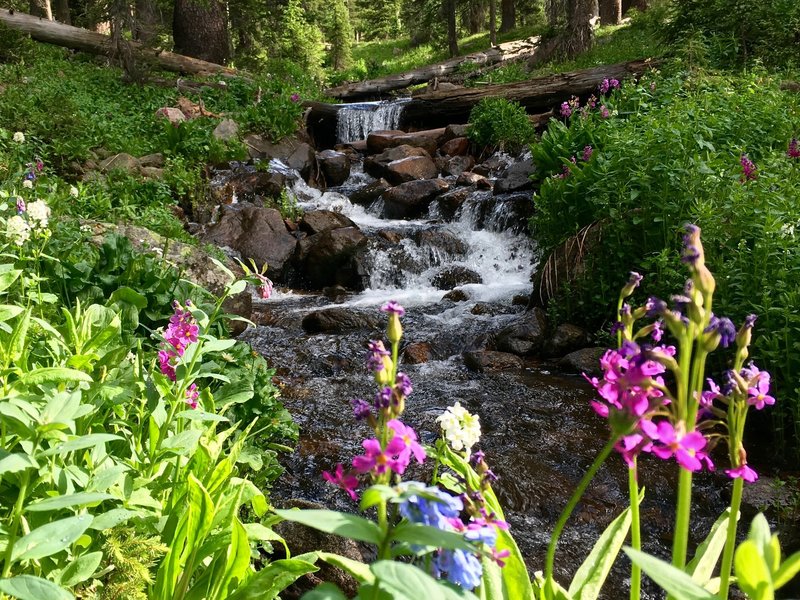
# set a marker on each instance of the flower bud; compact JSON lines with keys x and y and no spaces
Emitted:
{"x":395,"y":330}
{"x":633,"y":282}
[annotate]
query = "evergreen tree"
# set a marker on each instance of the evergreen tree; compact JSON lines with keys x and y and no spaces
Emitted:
{"x":340,"y":36}
{"x":301,"y":41}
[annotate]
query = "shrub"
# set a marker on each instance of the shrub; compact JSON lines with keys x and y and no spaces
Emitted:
{"x":496,"y":122}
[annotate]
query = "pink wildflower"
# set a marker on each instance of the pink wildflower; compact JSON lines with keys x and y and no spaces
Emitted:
{"x":379,"y":461}
{"x":346,"y":481}
{"x":794,"y":149}
{"x":758,"y":392}
{"x":409,"y":438}
{"x":748,"y":168}
{"x":566,"y":109}
{"x":743,"y":472}
{"x":604,"y":111}
{"x":587,"y":153}
{"x":687,"y":448}
{"x":192,"y":394}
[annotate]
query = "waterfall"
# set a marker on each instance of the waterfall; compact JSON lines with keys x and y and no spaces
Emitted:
{"x":355,"y":121}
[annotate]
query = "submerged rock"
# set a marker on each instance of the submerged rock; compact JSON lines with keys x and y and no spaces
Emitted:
{"x":455,"y":276}
{"x":337,"y":320}
{"x":488,"y":360}
{"x":526,"y":336}
{"x":410,"y":200}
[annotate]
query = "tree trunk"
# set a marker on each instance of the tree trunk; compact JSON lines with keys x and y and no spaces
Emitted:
{"x":555,"y":12}
{"x":200,"y":30}
{"x":508,"y":10}
{"x":374,"y":87}
{"x":145,"y":28}
{"x":493,"y":22}
{"x":475,"y":16}
{"x":41,"y":9}
{"x":610,"y":12}
{"x":62,"y":12}
{"x":452,"y":33}
{"x":52,"y":32}
{"x":579,"y":31}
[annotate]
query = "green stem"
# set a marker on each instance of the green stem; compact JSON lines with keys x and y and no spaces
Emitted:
{"x":573,"y":501}
{"x":730,"y":542}
{"x":16,"y":516}
{"x":636,"y":539}
{"x":383,"y":523}
{"x":682,"y":518}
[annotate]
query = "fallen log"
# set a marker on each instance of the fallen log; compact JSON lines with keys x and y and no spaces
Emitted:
{"x":53,"y":32}
{"x":535,"y":95}
{"x":376,"y":87}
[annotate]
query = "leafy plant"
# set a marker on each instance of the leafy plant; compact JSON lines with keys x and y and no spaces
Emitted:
{"x":496,"y":122}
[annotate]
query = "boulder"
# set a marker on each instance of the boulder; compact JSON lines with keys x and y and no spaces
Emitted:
{"x":509,"y":212}
{"x":246,"y":185}
{"x":377,"y":165}
{"x":390,"y":236}
{"x":257,"y":233}
{"x":456,"y":147}
{"x":370,"y":192}
{"x":428,"y":139}
{"x":566,"y":338}
{"x":457,"y":165}
{"x":317,"y":221}
{"x":410,"y":200}
{"x":335,"y":166}
{"x":292,"y":152}
{"x":411,"y":168}
{"x":586,"y":360}
{"x":441,"y":241}
{"x":417,"y":353}
{"x":456,"y":296}
{"x":338,"y":320}
{"x":450,"y":202}
{"x":151,"y":172}
{"x":326,"y":258}
{"x":171,"y":114}
{"x":152,"y":160}
{"x":454,"y":276}
{"x":455,"y":131}
{"x":120,"y":162}
{"x":378,"y":141}
{"x":471,"y":178}
{"x":516,"y":177}
{"x":488,"y":360}
{"x":226,"y":131}
{"x":526,"y":336}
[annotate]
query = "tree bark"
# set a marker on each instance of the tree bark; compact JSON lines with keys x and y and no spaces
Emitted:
{"x":493,"y":22}
{"x":536,"y":95}
{"x":62,"y":12}
{"x":452,"y":33}
{"x":579,"y":30}
{"x":374,"y":87}
{"x":200,"y":30}
{"x":508,"y":10}
{"x":52,"y":32}
{"x":41,"y":9}
{"x":146,"y":21}
{"x":610,"y":12}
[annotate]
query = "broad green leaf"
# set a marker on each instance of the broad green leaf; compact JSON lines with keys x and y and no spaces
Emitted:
{"x":28,"y":587}
{"x":257,"y":531}
{"x":424,"y":535}
{"x":59,"y":502}
{"x":80,"y":569}
{"x":237,"y":287}
{"x":80,"y":443}
{"x":51,"y":538}
{"x":9,"y":311}
{"x":14,"y":463}
{"x":373,"y":495}
{"x":592,"y":573}
{"x":752,"y":574}
{"x":329,"y":521}
{"x":787,"y":571}
{"x":199,"y":415}
{"x":357,"y":569}
{"x":130,"y":296}
{"x":701,"y":567}
{"x":8,"y":277}
{"x":112,"y":518}
{"x":19,"y":337}
{"x":407,"y":582}
{"x":55,"y":375}
{"x":760,"y":534}
{"x":326,"y":591}
{"x":673,"y":580}
{"x":270,"y":581}
{"x":102,"y":480}
{"x":233,"y":393}
{"x":238,"y":560}
{"x":200,"y":513}
{"x":216,"y":345}
{"x":182,"y":443}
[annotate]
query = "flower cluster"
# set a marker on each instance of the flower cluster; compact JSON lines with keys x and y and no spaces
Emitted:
{"x":794,"y":149}
{"x":30,"y":218}
{"x":461,"y":429}
{"x":19,"y":137}
{"x":748,"y":168}
{"x":607,"y":85}
{"x":181,"y":331}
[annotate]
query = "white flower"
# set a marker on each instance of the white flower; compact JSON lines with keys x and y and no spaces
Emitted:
{"x":787,"y":230}
{"x":73,"y":191}
{"x":461,"y":429}
{"x":19,"y":137}
{"x":17,"y":230}
{"x":39,"y":213}
{"x":27,"y":184}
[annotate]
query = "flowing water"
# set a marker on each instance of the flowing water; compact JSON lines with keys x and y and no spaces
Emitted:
{"x":355,"y":121}
{"x":539,"y":433}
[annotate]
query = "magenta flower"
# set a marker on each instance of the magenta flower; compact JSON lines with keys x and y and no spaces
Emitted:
{"x":393,"y":308}
{"x":758,"y":392}
{"x":295,"y":97}
{"x":604,"y":86}
{"x":346,"y":481}
{"x":265,"y":289}
{"x":658,"y":331}
{"x":794,"y":149}
{"x":409,"y":439}
{"x":375,"y":358}
{"x":630,"y":446}
{"x":192,"y":394}
{"x":748,"y":168}
{"x":379,"y":461}
{"x":707,"y":398}
{"x":604,"y":111}
{"x":165,"y":363}
{"x":613,"y":83}
{"x":182,"y":329}
{"x":21,"y":207}
{"x":687,"y":448}
{"x":587,"y":153}
{"x":403,"y":384}
{"x":566,"y":109}
{"x":743,"y":472}
{"x":361,"y":409}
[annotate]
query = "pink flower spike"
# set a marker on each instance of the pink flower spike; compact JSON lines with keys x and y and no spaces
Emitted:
{"x":409,"y":438}
{"x":743,"y":472}
{"x":346,"y":481}
{"x":379,"y":461}
{"x":192,"y":394}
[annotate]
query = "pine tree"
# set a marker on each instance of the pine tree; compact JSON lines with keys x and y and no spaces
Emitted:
{"x":340,"y":36}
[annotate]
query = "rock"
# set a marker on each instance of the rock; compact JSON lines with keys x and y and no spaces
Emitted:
{"x":380,"y":140}
{"x":336,"y":293}
{"x":151,"y":172}
{"x":457,"y":165}
{"x":488,"y":360}
{"x":317,"y":221}
{"x":441,"y":240}
{"x":247,"y":185}
{"x":390,"y":236}
{"x":429,"y":139}
{"x":450,"y":202}
{"x":456,"y":147}
{"x":764,"y":494}
{"x":454,"y":276}
{"x":455,"y":131}
{"x":370,"y":192}
{"x":472,"y":178}
{"x":566,"y":338}
{"x":456,"y":296}
{"x":520,"y":300}
{"x":526,"y":336}
{"x":411,"y":168}
{"x":337,"y":320}
{"x":488,"y":309}
{"x":417,"y":353}
{"x":411,"y":199}
{"x":482,"y":170}
{"x":257,"y":233}
{"x":226,"y":131}
{"x":517,"y":208}
{"x":121,"y":162}
{"x":586,"y":360}
{"x":326,"y":258}
{"x":292,"y":152}
{"x":377,"y":165}
{"x":171,"y":114}
{"x":516,"y":177}
{"x":152,"y":160}
{"x":335,"y":166}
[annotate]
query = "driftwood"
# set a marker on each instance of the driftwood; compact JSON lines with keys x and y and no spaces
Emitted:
{"x":536,"y":95}
{"x":59,"y":34}
{"x":376,"y":87}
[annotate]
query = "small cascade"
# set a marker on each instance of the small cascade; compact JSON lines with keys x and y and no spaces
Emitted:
{"x":356,"y":121}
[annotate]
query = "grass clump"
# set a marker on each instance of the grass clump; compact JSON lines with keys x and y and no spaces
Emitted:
{"x":500,"y":123}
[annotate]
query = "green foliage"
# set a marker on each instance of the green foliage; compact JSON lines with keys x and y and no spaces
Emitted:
{"x":497,"y":122}
{"x":301,"y":40}
{"x":340,"y":37}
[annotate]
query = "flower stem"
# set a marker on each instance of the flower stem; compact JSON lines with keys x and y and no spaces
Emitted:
{"x":682,"y":518}
{"x":573,"y":501}
{"x":16,"y":516}
{"x":636,"y":539}
{"x":730,"y":542}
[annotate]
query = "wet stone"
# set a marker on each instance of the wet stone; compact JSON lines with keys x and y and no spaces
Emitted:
{"x":338,"y":320}
{"x":452,"y":277}
{"x":370,"y":192}
{"x":488,"y":360}
{"x":417,"y":353}
{"x":586,"y":360}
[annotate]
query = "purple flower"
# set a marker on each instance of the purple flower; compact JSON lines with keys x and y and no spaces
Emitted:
{"x":566,"y":109}
{"x":750,"y":321}
{"x":192,"y":394}
{"x":655,"y":307}
{"x":361,"y":409}
{"x":377,"y":353}
{"x":165,"y":362}
{"x":403,"y":384}
{"x":658,"y":331}
{"x":393,"y":308}
{"x":346,"y":481}
{"x":743,"y":472}
{"x":604,"y":111}
{"x":592,"y":101}
{"x":383,"y":398}
{"x":707,"y":398}
{"x":724,"y":327}
{"x":462,"y":568}
{"x":613,"y":84}
{"x":604,"y":86}
{"x":794,"y":149}
{"x":748,"y":168}
{"x":687,"y":448}
{"x":295,"y":97}
{"x":409,"y":438}
{"x":434,"y":512}
{"x":379,"y":461}
{"x":20,"y":206}
{"x":587,"y":153}
{"x":182,"y":329}
{"x":758,"y":392}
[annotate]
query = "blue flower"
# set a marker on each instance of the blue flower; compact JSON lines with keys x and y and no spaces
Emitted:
{"x":462,"y":568}
{"x":419,"y":509}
